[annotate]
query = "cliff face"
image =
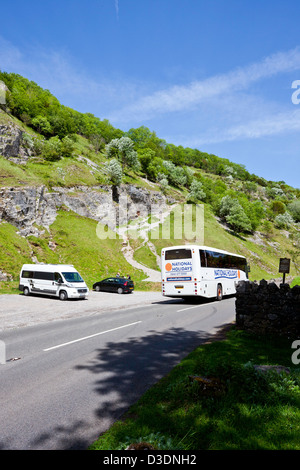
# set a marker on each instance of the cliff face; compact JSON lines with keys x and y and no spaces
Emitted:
{"x":32,"y":209}
{"x":11,"y":143}
{"x":29,"y":208}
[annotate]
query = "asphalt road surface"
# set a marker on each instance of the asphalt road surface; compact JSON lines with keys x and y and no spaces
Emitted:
{"x":73,"y":368}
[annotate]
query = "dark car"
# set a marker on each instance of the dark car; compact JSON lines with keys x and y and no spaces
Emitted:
{"x":114,"y":284}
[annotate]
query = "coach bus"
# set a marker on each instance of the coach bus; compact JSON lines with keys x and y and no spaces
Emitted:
{"x":191,"y":270}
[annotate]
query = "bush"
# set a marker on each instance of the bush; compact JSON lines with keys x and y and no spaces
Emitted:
{"x":278,"y":207}
{"x":123,"y":150}
{"x":234,"y":214}
{"x":176,"y":174}
{"x":283,"y":220}
{"x":196,"y":192}
{"x":52,"y":149}
{"x":294,"y":209}
{"x":114,"y":170}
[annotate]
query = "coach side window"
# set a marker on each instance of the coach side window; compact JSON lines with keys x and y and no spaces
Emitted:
{"x":202,"y":258}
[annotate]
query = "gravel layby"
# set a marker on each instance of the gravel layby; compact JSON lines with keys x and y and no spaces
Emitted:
{"x":19,"y":311}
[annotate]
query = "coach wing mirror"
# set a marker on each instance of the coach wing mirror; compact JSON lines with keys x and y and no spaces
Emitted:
{"x":248,"y":268}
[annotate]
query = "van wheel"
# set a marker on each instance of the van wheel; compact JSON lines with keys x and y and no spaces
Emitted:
{"x":120,"y":290}
{"x":219,"y":292}
{"x":26,"y":291}
{"x":63,"y":295}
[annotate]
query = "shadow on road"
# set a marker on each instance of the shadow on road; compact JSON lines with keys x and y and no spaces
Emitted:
{"x":123,"y":371}
{"x":127,"y":369}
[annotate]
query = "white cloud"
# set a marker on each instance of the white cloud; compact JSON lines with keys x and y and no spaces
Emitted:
{"x":182,"y":98}
{"x":269,"y":125}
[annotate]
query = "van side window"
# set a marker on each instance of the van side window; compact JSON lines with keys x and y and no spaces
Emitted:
{"x":27,"y":274}
{"x":43,"y":275}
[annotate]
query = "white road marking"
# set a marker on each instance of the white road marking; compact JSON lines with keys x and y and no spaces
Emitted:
{"x":90,"y":336}
{"x":194,"y":306}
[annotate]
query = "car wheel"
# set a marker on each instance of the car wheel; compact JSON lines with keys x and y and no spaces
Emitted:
{"x":97,"y":288}
{"x":63,"y":295}
{"x":26,"y":291}
{"x":120,"y":290}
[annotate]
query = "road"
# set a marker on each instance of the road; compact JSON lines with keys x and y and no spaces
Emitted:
{"x":65,"y":381}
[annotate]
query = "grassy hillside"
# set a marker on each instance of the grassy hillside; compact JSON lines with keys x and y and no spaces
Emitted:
{"x":244,"y":213}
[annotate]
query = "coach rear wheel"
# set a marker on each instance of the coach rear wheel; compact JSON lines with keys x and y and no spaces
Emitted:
{"x":219,"y":292}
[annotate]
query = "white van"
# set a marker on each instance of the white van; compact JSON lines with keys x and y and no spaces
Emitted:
{"x":60,"y":280}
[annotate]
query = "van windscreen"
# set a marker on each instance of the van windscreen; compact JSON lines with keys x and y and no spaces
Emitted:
{"x":72,"y":277}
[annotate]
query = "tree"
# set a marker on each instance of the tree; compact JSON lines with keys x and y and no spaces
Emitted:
{"x":233,"y":213}
{"x":294,"y":209}
{"x":114,"y":170}
{"x":176,"y":174}
{"x":283,"y":221}
{"x":278,"y":207}
{"x":52,"y":149}
{"x":196,"y":192}
{"x":42,"y":125}
{"x":67,"y":147}
{"x":238,"y":220}
{"x":123,"y":150}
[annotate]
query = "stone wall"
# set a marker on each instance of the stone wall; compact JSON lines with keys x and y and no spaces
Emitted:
{"x":265,"y":308}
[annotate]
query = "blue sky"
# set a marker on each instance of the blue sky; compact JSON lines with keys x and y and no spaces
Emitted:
{"x":215,"y":75}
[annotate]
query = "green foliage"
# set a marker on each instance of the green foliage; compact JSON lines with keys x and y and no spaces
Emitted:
{"x":114,"y":170}
{"x":42,"y":125}
{"x":67,"y":147}
{"x":40,"y":109}
{"x":196,"y":192}
{"x":233,"y":213}
{"x":52,"y":149}
{"x":176,"y":174}
{"x":123,"y":149}
{"x":283,"y":220}
{"x":278,"y":207}
{"x":294,"y":209}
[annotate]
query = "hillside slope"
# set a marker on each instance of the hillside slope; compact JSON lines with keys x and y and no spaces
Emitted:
{"x":57,"y":193}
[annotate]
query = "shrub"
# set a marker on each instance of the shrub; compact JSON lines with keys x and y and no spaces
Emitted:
{"x":283,"y":220}
{"x":114,"y":170}
{"x":52,"y":149}
{"x":196,"y":192}
{"x":123,"y":150}
{"x":294,"y":209}
{"x":234,"y":214}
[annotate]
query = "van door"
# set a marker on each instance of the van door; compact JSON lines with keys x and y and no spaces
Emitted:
{"x":57,"y":283}
{"x":43,"y":283}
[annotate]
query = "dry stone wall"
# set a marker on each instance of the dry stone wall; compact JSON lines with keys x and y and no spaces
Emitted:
{"x":265,"y":308}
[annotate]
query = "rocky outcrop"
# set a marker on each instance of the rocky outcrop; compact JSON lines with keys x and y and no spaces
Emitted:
{"x":266,"y":308}
{"x":30,"y":208}
{"x":11,"y":143}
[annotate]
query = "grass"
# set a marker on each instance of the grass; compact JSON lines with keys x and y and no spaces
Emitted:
{"x":295,"y":282}
{"x":246,"y":410}
{"x":76,"y":242}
